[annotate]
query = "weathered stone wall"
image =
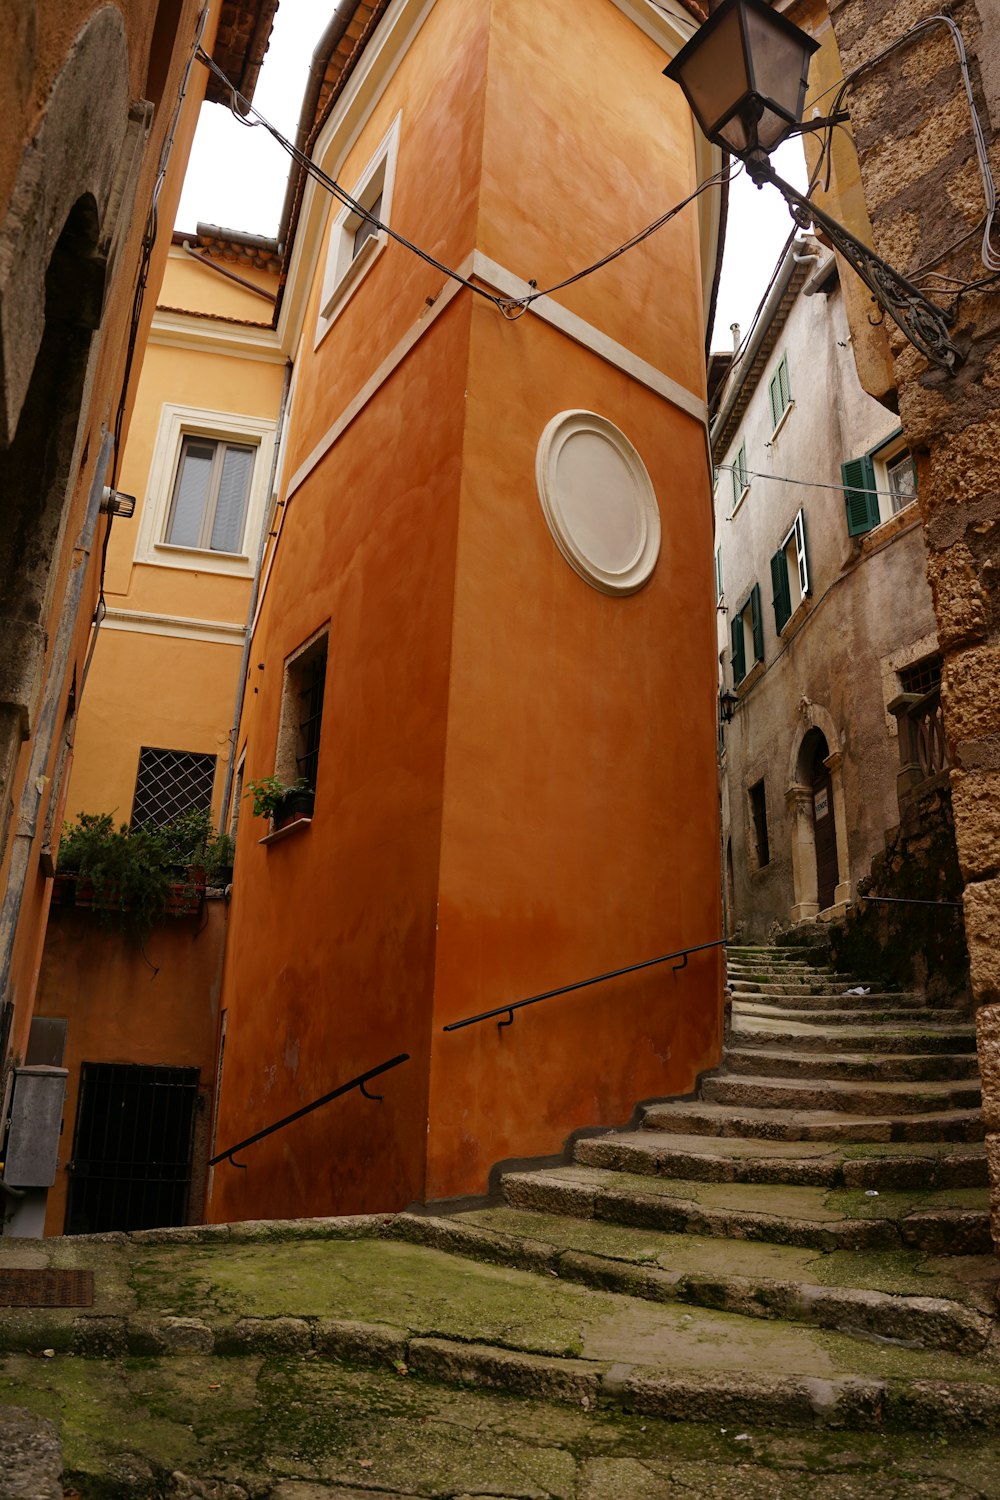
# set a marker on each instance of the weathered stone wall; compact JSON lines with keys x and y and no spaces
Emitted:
{"x":926,"y":202}
{"x":911,"y":944}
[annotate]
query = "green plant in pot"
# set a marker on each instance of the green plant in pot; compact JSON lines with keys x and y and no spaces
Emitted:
{"x":123,"y":873}
{"x":281,"y":801}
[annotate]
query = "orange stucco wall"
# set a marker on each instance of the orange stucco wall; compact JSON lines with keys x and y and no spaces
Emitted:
{"x":517,"y":779}
{"x":158,"y":1006}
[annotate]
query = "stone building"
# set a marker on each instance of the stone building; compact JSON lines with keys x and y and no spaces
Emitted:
{"x":825,"y":616}
{"x":924,"y":102}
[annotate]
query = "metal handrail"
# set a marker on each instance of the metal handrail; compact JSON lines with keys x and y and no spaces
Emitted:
{"x":565,"y":989}
{"x":345,"y":1088}
{"x":910,"y":901}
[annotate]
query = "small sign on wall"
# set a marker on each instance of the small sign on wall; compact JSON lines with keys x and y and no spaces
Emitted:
{"x":821,"y":804}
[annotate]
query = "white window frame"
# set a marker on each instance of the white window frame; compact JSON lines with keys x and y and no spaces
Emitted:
{"x":345,"y":270}
{"x":797,"y":539}
{"x":881,"y":459}
{"x":177,"y":423}
{"x":739,"y":473}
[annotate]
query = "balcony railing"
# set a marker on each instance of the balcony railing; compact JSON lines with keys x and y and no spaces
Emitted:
{"x":923,"y":750}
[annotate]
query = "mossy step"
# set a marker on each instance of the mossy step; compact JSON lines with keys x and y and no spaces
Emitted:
{"x":815,"y":1035}
{"x":811,"y":996}
{"x":416,"y":1310}
{"x":789,"y":1062}
{"x":295,"y":1429}
{"x":809,"y":1163}
{"x":850,"y":1098}
{"x":950,"y":1221}
{"x":753,"y":1280}
{"x":698,"y":1117}
{"x":773,"y":1008}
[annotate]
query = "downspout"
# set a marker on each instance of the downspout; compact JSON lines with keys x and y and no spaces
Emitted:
{"x":227,"y":786}
{"x":44,"y":736}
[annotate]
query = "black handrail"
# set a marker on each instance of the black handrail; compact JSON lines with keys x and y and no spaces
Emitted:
{"x":910,"y":901}
{"x":345,"y":1088}
{"x":508,"y":1010}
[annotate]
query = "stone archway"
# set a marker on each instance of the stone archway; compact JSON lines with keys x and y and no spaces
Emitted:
{"x":815,"y":793}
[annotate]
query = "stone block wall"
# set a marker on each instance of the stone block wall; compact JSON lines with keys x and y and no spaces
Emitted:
{"x":925,"y":198}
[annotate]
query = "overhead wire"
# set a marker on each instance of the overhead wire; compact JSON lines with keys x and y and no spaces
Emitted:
{"x":510,"y":307}
{"x":812,"y":484}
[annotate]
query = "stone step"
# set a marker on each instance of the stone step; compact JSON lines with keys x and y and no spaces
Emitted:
{"x":849,"y":1098}
{"x":847,"y":1067}
{"x":858,"y":1013}
{"x":941,"y":1221}
{"x":825,"y":994}
{"x":753,"y":1280}
{"x":882,"y":1166}
{"x":697,"y":1117}
{"x":752,"y":1030}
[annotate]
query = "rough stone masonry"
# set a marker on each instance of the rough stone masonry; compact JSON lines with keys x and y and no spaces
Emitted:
{"x":925,"y":196}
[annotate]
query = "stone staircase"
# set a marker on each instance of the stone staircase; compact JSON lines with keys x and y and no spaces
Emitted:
{"x":793,"y":1265}
{"x":830,"y":1174}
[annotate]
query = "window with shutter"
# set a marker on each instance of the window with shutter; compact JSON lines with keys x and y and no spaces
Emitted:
{"x":860,"y":499}
{"x":718,"y":575}
{"x":756,"y":623}
{"x":781,"y":594}
{"x":741,"y":475}
{"x":780,"y":391}
{"x":739,"y":653}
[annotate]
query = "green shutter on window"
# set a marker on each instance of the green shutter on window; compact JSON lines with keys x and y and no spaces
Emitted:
{"x":782,"y":598}
{"x":860,"y":499}
{"x":775,"y":394}
{"x":757,"y":623}
{"x":718,"y":575}
{"x":739,"y":659}
{"x":784,"y":386}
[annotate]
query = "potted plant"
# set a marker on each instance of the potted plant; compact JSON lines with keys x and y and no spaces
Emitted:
{"x":122,"y":873}
{"x":219,"y":853}
{"x":281,"y":801}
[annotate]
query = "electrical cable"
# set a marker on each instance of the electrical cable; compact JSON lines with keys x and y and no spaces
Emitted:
{"x":510,"y":308}
{"x":812,"y":484}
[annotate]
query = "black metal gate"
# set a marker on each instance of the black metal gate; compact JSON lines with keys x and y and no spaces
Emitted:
{"x":131,"y":1166}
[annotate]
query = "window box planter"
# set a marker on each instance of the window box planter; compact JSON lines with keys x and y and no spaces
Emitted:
{"x":297,"y":803}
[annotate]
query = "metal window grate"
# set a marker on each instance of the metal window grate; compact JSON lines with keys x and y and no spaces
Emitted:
{"x":311,"y":715}
{"x":171,"y":782}
{"x":921,"y":676}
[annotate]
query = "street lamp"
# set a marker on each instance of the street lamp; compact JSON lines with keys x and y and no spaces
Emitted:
{"x":744,"y":75}
{"x":728,"y":704}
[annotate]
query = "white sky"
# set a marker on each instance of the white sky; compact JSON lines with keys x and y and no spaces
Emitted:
{"x":237,"y":175}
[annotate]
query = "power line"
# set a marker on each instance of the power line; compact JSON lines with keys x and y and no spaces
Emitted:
{"x":813,"y":484}
{"x":511,"y":308}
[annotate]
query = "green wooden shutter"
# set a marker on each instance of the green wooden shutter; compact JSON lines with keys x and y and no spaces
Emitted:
{"x":718,"y":575}
{"x":860,"y":499}
{"x":739,"y":659}
{"x":775,"y":394}
{"x":782,"y":597}
{"x":784,"y":387}
{"x":757,"y":623}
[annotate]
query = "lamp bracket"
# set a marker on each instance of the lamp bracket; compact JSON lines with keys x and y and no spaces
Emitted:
{"x":922,"y":321}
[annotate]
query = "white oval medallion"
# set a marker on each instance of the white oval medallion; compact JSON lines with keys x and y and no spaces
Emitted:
{"x":598,"y":501}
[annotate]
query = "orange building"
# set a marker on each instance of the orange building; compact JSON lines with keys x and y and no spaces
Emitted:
{"x":486,"y":632}
{"x":101,"y":103}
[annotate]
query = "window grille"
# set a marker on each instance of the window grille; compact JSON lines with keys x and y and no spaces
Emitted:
{"x":171,"y":782}
{"x":921,"y":676}
{"x":311,"y":715}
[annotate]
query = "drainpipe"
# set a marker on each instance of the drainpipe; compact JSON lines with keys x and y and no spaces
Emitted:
{"x":45,"y":728}
{"x":318,"y":65}
{"x":227,"y":786}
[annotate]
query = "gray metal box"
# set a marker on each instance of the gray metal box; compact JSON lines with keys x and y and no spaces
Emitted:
{"x":35,"y":1124}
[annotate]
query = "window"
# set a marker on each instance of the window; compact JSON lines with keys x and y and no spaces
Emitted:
{"x":211,"y":492}
{"x":747,"y":635}
{"x":921,"y":676}
{"x":790,"y":574}
{"x":758,"y":813}
{"x":302,"y":712}
{"x":171,"y":782}
{"x":207,"y":491}
{"x":741,"y":476}
{"x":718,"y":575}
{"x":781,"y":393}
{"x":878,"y":485}
{"x":355,"y":241}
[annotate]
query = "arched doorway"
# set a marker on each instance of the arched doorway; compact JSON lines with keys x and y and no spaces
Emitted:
{"x":815,"y":774}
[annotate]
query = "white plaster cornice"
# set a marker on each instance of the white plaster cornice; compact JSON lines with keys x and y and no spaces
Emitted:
{"x":176,"y":330}
{"x":182,"y":627}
